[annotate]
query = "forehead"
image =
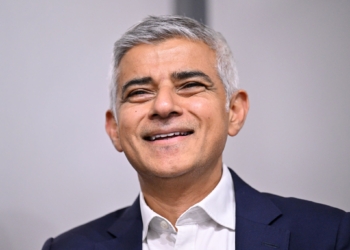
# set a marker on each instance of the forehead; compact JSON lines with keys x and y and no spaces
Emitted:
{"x":161,"y":59}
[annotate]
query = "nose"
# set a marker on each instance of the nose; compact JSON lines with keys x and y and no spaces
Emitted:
{"x":166,"y":104}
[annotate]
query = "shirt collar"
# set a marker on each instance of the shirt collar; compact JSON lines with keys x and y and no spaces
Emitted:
{"x":147,"y":215}
{"x":219,"y":205}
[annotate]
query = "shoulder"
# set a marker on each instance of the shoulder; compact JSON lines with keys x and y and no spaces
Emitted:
{"x":289,"y":210}
{"x":315,"y":220}
{"x":303,"y":208}
{"x":310,"y":225}
{"x":85,"y":236}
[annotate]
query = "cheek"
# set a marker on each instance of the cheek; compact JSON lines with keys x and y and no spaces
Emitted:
{"x":210,"y":110}
{"x":202,"y":111}
{"x":199,"y":106}
{"x":129,"y":119}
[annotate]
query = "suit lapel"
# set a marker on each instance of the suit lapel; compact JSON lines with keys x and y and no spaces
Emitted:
{"x":127,"y":231}
{"x":255,"y":215}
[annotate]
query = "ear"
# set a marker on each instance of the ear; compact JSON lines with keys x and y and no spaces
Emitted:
{"x":112,"y":130}
{"x":238,"y":110}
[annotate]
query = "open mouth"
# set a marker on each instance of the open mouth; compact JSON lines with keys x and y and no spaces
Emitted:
{"x":167,"y":136}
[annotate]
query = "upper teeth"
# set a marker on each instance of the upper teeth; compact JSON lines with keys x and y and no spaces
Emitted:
{"x":152,"y":138}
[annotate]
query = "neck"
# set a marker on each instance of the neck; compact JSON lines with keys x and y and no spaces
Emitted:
{"x":171,"y":197}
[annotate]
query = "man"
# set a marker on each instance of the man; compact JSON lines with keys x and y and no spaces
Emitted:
{"x":174,"y":100}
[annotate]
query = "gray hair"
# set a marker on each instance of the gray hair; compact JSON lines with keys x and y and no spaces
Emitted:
{"x":155,"y":29}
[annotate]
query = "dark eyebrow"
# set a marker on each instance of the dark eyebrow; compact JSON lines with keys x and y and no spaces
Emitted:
{"x":183,"y":75}
{"x":136,"y":81}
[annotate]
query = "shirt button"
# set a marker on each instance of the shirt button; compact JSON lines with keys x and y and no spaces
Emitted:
{"x":164,"y":225}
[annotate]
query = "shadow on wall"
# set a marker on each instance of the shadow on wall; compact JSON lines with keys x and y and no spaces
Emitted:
{"x":23,"y":230}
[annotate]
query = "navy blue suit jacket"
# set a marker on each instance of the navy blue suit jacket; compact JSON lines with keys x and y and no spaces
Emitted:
{"x":263,"y":221}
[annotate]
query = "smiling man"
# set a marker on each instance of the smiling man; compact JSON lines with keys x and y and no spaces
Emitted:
{"x":174,"y":101}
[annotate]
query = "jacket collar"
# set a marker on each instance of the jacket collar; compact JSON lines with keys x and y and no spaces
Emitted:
{"x":251,"y":204}
{"x":255,"y":214}
{"x":127,"y":231}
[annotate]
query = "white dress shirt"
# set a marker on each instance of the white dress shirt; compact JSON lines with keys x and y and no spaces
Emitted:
{"x":209,"y":224}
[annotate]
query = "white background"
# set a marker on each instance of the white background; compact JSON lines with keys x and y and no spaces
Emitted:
{"x":58,"y":168}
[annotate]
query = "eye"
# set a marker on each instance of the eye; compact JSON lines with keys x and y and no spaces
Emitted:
{"x":193,"y":85}
{"x":137,"y":92}
{"x":192,"y":88}
{"x":138,"y":95}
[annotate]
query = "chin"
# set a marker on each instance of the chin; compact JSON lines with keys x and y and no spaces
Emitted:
{"x":168,"y":171}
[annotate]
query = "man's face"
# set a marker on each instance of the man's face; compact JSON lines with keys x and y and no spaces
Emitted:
{"x":171,"y":109}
